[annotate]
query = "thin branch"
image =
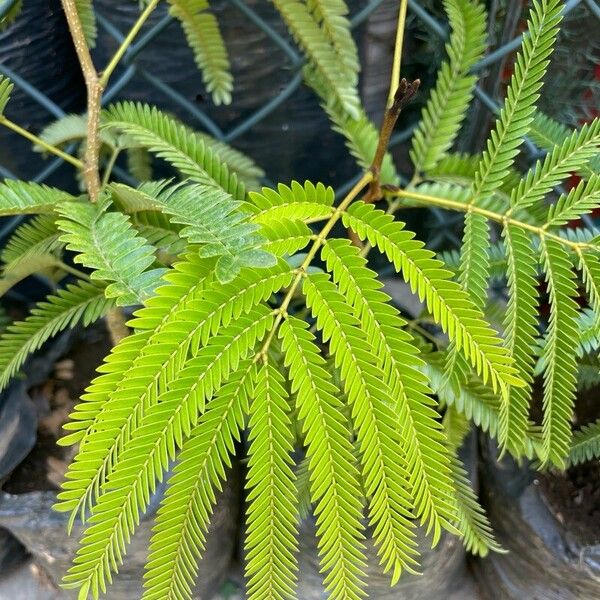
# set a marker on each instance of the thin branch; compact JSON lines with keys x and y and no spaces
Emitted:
{"x":401,"y":92}
{"x":79,"y":41}
{"x":127,"y":41}
{"x":110,"y":166}
{"x":93,"y":86}
{"x":41,"y":143}
{"x":404,"y":93}
{"x":74,"y":271}
{"x":503,"y":218}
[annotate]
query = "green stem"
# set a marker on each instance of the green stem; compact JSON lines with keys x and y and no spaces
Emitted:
{"x":109,"y":166}
{"x":502,"y":218}
{"x":112,"y":65}
{"x":41,"y":143}
{"x":395,"y":78}
{"x":423,"y":332}
{"x":74,"y":271}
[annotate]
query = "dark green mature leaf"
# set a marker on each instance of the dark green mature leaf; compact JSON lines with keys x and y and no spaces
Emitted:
{"x":20,"y":197}
{"x":172,"y":141}
{"x":82,"y":303}
{"x":447,"y":106}
{"x":204,"y":37}
{"x":107,"y":243}
{"x":321,"y":52}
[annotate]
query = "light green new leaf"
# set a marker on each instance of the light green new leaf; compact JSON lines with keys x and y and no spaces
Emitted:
{"x":384,"y":469}
{"x":161,"y":431}
{"x":450,"y":306}
{"x":306,"y":203}
{"x":82,"y":303}
{"x":502,"y":148}
{"x":558,"y":358}
{"x":184,"y":515}
{"x":334,"y":478}
{"x":521,"y":330}
{"x":422,"y":440}
{"x":270,"y":481}
{"x":576,"y":150}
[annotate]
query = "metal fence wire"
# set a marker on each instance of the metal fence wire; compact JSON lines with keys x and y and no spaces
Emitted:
{"x":133,"y":66}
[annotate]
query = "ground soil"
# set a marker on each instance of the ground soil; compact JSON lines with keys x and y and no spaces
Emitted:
{"x":44,"y":467}
{"x":574,"y":496}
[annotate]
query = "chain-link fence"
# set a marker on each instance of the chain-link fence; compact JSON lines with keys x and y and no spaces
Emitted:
{"x":134,"y":68}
